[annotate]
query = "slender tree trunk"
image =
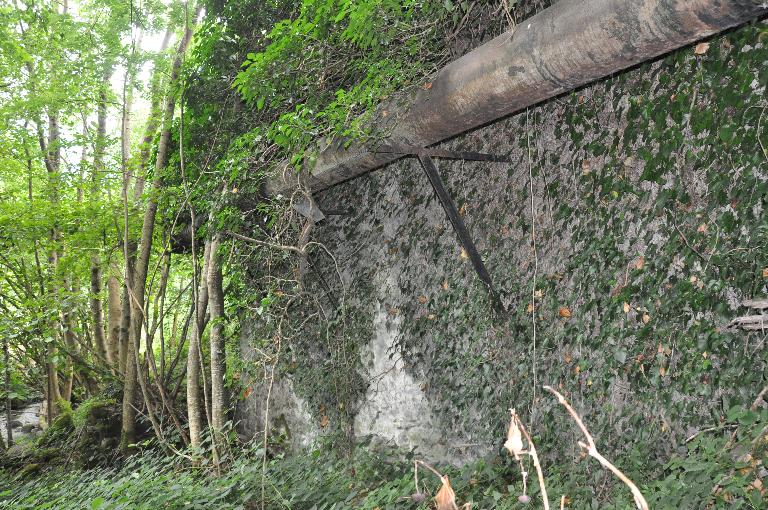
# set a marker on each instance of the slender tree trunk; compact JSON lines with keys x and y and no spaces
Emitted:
{"x":52,"y":153}
{"x":145,"y":250}
{"x":7,"y":394}
{"x":100,"y":143}
{"x":97,"y":315}
{"x":128,"y":432}
{"x":53,"y":394}
{"x":194,"y":403}
{"x":155,"y":116}
{"x":114,"y":315}
{"x":125,"y":316}
{"x":69,"y":366}
{"x":218,"y":369}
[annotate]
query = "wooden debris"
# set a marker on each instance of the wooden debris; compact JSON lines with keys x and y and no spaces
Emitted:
{"x":752,"y":322}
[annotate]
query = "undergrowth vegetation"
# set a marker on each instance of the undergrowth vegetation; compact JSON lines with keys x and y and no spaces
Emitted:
{"x":381,"y":477}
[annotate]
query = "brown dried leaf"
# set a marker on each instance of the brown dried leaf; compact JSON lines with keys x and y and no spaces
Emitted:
{"x":701,"y":48}
{"x":564,"y":312}
{"x":702,"y":228}
{"x":445,"y":284}
{"x":324,"y":421}
{"x":765,"y":272}
{"x":446,"y":498}
{"x":464,"y":254}
{"x":646,"y":318}
{"x":626,"y":307}
{"x":422,"y":299}
{"x":640,"y":263}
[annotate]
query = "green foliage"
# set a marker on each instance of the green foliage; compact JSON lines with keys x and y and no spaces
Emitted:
{"x":58,"y":433}
{"x":321,"y":72}
{"x":89,"y":407}
{"x":380,"y":477}
{"x":718,"y":468}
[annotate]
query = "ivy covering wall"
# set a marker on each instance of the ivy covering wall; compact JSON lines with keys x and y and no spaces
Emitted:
{"x":649,"y":218}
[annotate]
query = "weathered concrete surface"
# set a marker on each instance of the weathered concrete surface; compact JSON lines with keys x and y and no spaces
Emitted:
{"x":289,"y":415}
{"x":394,"y":407}
{"x":648,"y":194}
{"x":572,"y":43}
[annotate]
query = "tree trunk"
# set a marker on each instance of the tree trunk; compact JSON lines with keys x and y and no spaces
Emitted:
{"x":69,"y":366}
{"x":7,"y":395}
{"x":52,"y":154}
{"x":114,"y":315}
{"x":218,"y":369}
{"x":125,"y":315}
{"x":155,"y":116}
{"x":97,"y":315}
{"x":100,"y":143}
{"x":194,"y":403}
{"x":145,"y":251}
{"x":53,"y":394}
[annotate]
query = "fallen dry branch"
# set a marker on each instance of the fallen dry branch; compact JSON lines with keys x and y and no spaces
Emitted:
{"x":591,"y":449}
{"x":514,"y":444}
{"x":757,"y":322}
{"x":750,"y":322}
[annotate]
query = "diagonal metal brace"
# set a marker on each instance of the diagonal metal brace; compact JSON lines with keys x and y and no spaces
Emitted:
{"x":458,"y":225}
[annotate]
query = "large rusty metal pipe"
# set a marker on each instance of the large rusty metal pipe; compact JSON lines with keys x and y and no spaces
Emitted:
{"x":570,"y":44}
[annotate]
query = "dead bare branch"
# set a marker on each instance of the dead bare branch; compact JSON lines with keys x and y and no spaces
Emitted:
{"x":591,"y":449}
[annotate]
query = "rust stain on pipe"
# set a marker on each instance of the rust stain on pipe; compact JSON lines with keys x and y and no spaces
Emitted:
{"x":570,"y":44}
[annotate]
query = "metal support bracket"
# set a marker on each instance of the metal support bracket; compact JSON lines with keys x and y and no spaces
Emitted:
{"x":453,"y":214}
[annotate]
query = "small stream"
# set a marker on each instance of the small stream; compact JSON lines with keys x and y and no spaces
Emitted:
{"x":25,"y":421}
